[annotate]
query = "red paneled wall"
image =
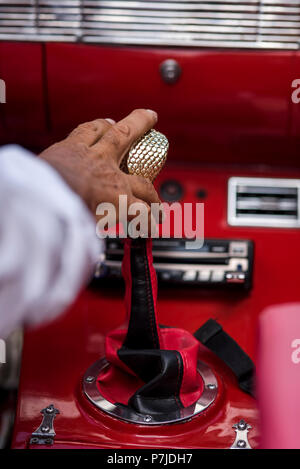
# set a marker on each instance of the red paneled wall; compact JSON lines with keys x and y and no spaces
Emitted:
{"x":228,"y":106}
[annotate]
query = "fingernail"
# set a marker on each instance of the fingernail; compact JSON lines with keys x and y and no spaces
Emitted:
{"x":153,"y":112}
{"x":111,"y":121}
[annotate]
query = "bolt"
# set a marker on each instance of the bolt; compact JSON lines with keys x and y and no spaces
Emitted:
{"x":242,"y":425}
{"x":211,"y":386}
{"x":147,"y":418}
{"x":89,"y":379}
{"x":48,"y":441}
{"x":241,"y":444}
{"x":34,"y":440}
{"x":45,"y":429}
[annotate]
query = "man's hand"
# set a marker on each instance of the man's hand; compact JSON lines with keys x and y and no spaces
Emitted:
{"x":89,"y":159}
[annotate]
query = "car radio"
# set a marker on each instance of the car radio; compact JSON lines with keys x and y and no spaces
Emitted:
{"x":219,"y":262}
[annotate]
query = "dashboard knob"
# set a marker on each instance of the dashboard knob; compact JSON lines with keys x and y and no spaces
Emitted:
{"x":171,"y":190}
{"x":170,"y":71}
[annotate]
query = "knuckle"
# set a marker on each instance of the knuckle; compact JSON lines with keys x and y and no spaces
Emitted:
{"x":82,"y":147}
{"x":123,"y":129}
{"x":86,"y":126}
{"x":113,"y":138}
{"x":100,"y":120}
{"x":102,"y":123}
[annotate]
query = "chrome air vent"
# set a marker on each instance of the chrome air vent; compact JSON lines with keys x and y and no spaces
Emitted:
{"x":40,"y":20}
{"x":260,"y":24}
{"x":264,"y":202}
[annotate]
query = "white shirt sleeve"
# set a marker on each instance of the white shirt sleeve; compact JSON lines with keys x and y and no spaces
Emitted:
{"x":48,"y":242}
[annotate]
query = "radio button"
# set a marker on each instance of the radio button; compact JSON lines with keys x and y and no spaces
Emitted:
{"x":171,"y":191}
{"x":239,"y":249}
{"x":217,"y":276}
{"x":204,"y":275}
{"x":189,"y":275}
{"x":164,"y":275}
{"x":169,"y":275}
{"x":219,"y":249}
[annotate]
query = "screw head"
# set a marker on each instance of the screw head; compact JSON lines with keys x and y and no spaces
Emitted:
{"x":89,"y":379}
{"x":50,"y":410}
{"x":147,"y":418}
{"x":48,"y":441}
{"x":34,"y":440}
{"x":211,"y":386}
{"x":241,"y":444}
{"x":170,"y":71}
{"x":45,"y":429}
{"x":242,"y":425}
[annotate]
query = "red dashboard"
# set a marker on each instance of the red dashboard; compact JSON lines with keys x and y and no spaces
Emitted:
{"x":227,"y":107}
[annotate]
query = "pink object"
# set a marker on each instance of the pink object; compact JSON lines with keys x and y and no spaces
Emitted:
{"x":278,"y":376}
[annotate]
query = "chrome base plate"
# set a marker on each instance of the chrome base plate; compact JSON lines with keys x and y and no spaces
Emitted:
{"x":123,"y":412}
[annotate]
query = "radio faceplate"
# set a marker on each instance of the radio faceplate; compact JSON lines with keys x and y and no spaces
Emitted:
{"x":219,"y":262}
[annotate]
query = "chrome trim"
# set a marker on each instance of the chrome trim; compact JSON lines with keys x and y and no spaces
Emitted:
{"x":258,"y":24}
{"x":45,"y":433}
{"x":241,"y":438}
{"x":255,"y":203}
{"x":127,"y":414}
{"x":231,"y":266}
{"x":178,"y":254}
{"x":262,"y":220}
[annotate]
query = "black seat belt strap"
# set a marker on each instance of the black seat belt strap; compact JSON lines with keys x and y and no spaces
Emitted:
{"x":212,"y":335}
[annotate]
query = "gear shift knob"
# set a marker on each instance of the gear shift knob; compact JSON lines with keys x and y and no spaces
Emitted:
{"x":147,"y":155}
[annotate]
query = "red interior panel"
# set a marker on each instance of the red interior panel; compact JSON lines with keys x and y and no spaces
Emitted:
{"x":220,"y":110}
{"x":78,"y":337}
{"x":24,"y":115}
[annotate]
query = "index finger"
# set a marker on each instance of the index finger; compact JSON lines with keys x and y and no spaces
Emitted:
{"x":118,"y":139}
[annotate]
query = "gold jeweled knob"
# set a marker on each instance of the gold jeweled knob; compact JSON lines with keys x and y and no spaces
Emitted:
{"x":147,"y":155}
